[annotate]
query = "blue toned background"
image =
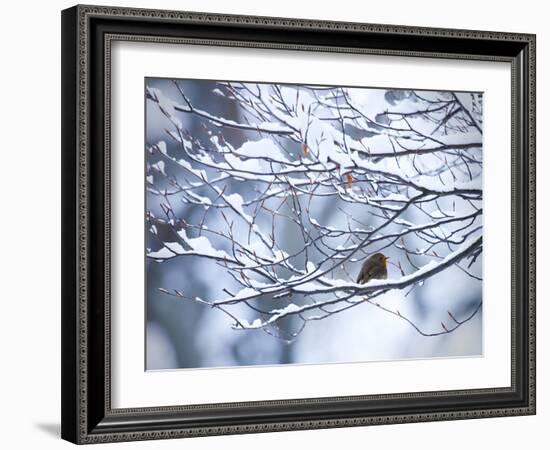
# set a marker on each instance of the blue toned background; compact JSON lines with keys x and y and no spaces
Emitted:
{"x":185,"y":334}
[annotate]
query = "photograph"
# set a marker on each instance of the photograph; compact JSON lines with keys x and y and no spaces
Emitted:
{"x":310,"y":224}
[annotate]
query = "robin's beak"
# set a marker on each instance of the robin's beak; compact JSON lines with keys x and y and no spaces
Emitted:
{"x":385,"y":258}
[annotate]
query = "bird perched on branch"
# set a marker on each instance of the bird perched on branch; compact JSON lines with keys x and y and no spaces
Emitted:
{"x":373,"y":267}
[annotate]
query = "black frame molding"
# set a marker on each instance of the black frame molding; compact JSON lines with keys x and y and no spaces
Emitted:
{"x":87,"y":34}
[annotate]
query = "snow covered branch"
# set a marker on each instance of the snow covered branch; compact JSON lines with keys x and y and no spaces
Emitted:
{"x":310,"y":182}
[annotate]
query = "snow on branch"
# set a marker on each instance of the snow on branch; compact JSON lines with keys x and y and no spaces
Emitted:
{"x":310,"y":182}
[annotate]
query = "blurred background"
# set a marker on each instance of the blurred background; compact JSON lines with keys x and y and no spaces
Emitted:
{"x":186,"y":334}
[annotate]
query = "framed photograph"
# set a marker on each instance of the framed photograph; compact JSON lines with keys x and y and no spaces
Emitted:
{"x":280,"y":224}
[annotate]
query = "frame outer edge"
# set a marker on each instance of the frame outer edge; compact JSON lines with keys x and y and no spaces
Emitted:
{"x":297,"y":23}
{"x":69,"y":293}
{"x":532,"y":143}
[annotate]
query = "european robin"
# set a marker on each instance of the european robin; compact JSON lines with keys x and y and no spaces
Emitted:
{"x":373,"y":267}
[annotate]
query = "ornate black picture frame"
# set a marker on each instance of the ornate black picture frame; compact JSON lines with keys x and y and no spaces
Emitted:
{"x":87,"y":35}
